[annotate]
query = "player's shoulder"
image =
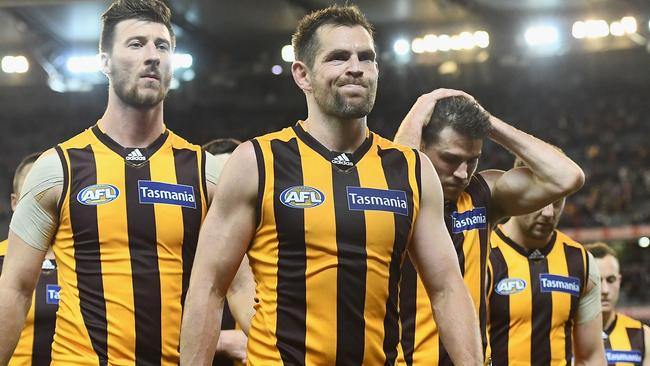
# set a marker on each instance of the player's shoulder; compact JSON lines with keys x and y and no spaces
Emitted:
{"x":497,"y":237}
{"x":628,"y":321}
{"x":284,"y":135}
{"x":385,"y":144}
{"x":77,"y":141}
{"x":179,"y":142}
{"x":567,"y":240}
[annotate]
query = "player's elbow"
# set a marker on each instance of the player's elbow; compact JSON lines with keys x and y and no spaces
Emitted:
{"x":572,"y":180}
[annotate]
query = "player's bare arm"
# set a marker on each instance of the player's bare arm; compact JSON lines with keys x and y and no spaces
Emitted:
{"x":588,"y":346}
{"x":410,"y":130}
{"x":549,"y":174}
{"x":241,"y":295}
{"x":233,"y":344}
{"x":228,"y":229}
{"x":242,"y":289}
{"x":433,"y":254}
{"x":22,"y":266}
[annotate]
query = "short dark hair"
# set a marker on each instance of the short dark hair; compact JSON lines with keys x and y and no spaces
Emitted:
{"x":462,"y":114}
{"x":29,"y":159}
{"x":600,"y":250}
{"x":148,"y":10}
{"x":304,"y":40}
{"x":221,"y":146}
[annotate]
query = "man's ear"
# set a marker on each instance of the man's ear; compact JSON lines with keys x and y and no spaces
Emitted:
{"x":301,"y":76}
{"x":104,"y":63}
{"x":14,"y":201}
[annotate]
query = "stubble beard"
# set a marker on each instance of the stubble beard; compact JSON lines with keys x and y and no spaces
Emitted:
{"x":131,"y":94}
{"x":341,"y":107}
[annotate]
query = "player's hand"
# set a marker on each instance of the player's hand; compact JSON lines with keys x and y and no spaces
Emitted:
{"x":427,"y":102}
{"x":233,"y":344}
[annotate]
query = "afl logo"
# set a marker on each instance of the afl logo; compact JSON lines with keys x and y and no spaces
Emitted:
{"x":302,"y":197}
{"x":510,"y":286}
{"x":98,"y":194}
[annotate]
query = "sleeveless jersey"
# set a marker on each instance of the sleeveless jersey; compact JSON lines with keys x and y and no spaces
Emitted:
{"x":533,"y":296}
{"x":128,"y":228}
{"x":333,"y":230}
{"x":467,"y":221}
{"x":624,"y":342}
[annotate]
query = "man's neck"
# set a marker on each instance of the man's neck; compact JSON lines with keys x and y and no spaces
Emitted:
{"x":132,"y":127}
{"x":608,"y":318}
{"x":336,"y":134}
{"x":513,"y":231}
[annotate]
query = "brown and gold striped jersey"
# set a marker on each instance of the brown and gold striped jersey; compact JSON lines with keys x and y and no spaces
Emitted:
{"x":624,"y":342}
{"x":533,"y":296}
{"x":128,"y":226}
{"x":333,"y":230}
{"x":467,"y":221}
{"x":35,"y":343}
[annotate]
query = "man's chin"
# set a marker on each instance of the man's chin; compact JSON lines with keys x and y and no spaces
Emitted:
{"x":451,"y":193}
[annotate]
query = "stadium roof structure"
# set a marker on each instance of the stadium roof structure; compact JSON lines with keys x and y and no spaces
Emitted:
{"x":246,"y":31}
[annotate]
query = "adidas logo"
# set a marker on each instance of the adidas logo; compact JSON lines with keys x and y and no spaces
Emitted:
{"x":135,"y":155}
{"x":536,"y":255}
{"x":342,"y":160}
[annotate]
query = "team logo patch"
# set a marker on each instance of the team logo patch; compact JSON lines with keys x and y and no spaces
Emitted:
{"x":551,"y":283}
{"x":302,"y":197}
{"x":98,"y":194}
{"x":510,"y":286}
{"x":623,"y":356}
{"x":151,"y":192}
{"x":371,"y":199}
{"x":468,"y":220}
{"x":52,"y":294}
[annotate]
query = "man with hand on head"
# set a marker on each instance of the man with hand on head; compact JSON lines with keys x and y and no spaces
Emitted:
{"x":449,"y":126}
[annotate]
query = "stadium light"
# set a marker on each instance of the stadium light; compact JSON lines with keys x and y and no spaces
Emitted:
{"x":182,"y":61}
{"x":276,"y":70}
{"x":401,"y":47}
{"x":481,"y":39}
{"x":444,"y":42}
{"x":15,"y":64}
{"x":616,"y":29}
{"x":287,"y":53}
{"x":466,"y":41}
{"x":595,"y":28}
{"x":83,"y":64}
{"x":541,"y":35}
{"x":418,"y":45}
{"x":629,"y":24}
{"x":448,"y":68}
{"x":430,"y":43}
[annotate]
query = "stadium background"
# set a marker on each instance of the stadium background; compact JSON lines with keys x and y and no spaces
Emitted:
{"x":572,"y":72}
